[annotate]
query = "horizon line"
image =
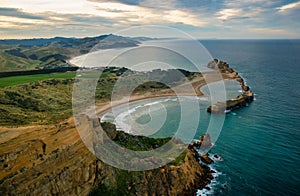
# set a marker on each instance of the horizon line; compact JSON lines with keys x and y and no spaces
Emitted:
{"x":77,"y":37}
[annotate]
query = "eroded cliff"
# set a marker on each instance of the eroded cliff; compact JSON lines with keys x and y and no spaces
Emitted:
{"x":43,"y":160}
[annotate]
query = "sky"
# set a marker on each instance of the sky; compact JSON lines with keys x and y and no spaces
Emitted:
{"x":207,"y":19}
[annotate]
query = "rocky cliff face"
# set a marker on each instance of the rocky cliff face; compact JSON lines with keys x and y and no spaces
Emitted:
{"x":182,"y":179}
{"x":44,"y":160}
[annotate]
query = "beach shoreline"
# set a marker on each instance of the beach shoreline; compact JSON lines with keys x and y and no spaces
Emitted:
{"x":56,"y":140}
{"x":197,"y":83}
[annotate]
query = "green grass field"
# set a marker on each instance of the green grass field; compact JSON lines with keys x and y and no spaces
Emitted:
{"x":14,"y":80}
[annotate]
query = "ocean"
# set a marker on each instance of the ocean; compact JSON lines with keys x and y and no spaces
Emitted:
{"x":259,"y":144}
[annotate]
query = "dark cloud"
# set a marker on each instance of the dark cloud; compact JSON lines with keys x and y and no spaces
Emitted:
{"x":19,"y":14}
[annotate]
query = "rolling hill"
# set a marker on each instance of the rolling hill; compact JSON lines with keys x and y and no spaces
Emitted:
{"x":30,"y":54}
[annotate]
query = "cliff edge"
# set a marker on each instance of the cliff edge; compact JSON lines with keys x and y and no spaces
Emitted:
{"x":52,"y":159}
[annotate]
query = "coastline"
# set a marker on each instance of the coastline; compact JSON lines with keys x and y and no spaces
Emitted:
{"x":53,"y":146}
{"x":246,"y":97}
{"x":71,"y":64}
{"x":197,"y":83}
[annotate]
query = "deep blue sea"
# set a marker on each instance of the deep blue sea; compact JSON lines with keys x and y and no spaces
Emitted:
{"x":259,"y":144}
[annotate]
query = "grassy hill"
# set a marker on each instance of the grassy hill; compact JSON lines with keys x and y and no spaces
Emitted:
{"x":47,"y":98}
{"x":29,"y":54}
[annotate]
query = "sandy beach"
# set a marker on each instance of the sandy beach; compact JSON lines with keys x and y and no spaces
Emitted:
{"x":181,"y":90}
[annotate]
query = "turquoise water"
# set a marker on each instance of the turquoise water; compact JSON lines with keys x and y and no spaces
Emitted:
{"x":171,"y":116}
{"x":259,"y":143}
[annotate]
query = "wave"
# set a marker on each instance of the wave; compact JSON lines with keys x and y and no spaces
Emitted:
{"x":216,"y":185}
{"x":125,"y":119}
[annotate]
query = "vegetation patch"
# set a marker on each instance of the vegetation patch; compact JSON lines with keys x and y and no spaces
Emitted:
{"x":15,"y":80}
{"x":47,"y":98}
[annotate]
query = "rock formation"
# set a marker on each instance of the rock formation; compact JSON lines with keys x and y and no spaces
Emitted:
{"x":205,"y":159}
{"x":204,"y":142}
{"x":240,"y":101}
{"x":232,"y":104}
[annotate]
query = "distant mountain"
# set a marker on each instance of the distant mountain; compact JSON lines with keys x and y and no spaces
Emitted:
{"x":34,"y":41}
{"x":45,"y":53}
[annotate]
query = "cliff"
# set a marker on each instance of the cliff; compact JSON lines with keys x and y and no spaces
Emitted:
{"x":48,"y":157}
{"x":51,"y":159}
{"x":43,"y":160}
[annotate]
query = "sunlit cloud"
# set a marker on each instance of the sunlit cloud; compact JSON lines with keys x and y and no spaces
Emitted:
{"x":146,"y":15}
{"x":269,"y":31}
{"x":20,"y":20}
{"x":227,"y":14}
{"x":201,"y":18}
{"x":113,"y":10}
{"x":57,"y":6}
{"x":289,"y":6}
{"x":249,"y":3}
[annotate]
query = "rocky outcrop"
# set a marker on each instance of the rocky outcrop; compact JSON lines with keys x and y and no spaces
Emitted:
{"x":52,"y":160}
{"x":205,"y":159}
{"x":240,"y":101}
{"x":204,"y":142}
{"x":232,"y":104}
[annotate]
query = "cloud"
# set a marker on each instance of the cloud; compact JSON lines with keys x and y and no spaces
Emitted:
{"x":273,"y":32}
{"x":129,"y":2}
{"x":158,"y":4}
{"x":16,"y":18}
{"x":145,"y":14}
{"x":120,"y":12}
{"x":253,"y":10}
{"x":227,"y":14}
{"x":288,"y":7}
{"x":14,"y":12}
{"x":91,"y":17}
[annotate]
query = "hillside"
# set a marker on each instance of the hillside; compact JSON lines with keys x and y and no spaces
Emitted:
{"x":29,"y":54}
{"x":47,"y":98}
{"x":41,"y":152}
{"x":52,"y":160}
